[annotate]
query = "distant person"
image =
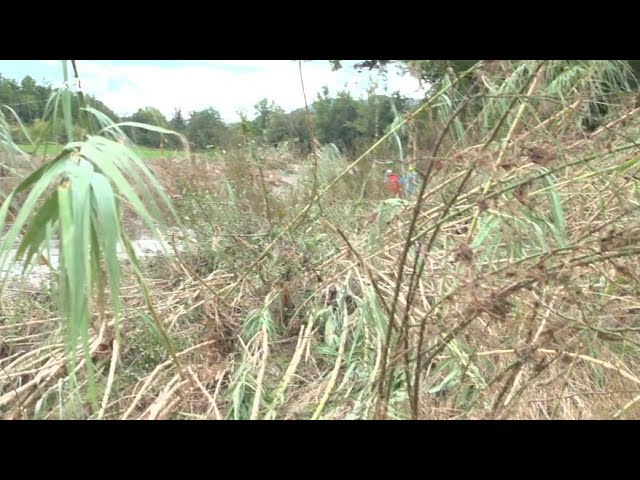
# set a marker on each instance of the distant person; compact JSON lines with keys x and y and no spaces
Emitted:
{"x":410,"y":181}
{"x":393,"y":183}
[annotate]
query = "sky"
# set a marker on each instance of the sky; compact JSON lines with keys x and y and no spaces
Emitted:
{"x":229,"y":86}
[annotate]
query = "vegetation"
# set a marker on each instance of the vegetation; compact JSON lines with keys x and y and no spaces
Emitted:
{"x":350,"y":123}
{"x":294,"y":287}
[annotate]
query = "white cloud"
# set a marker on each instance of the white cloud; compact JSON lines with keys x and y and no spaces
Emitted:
{"x":228,"y":86}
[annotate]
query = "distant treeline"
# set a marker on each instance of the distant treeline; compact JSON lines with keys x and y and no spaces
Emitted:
{"x":336,"y":117}
{"x":340,"y":119}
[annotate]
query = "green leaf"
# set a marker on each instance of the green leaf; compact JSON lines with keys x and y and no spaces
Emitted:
{"x":66,"y":104}
{"x":108,"y":224}
{"x":36,"y":234}
{"x":557,"y":211}
{"x":626,"y":166}
{"x":487,"y":226}
{"x":449,"y":379}
{"x":27,"y":210}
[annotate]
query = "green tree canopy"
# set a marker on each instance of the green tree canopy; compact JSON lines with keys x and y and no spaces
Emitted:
{"x":206,"y":128}
{"x":150,"y":116}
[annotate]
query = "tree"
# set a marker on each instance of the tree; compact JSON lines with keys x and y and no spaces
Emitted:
{"x":30,"y":108}
{"x":299,"y":128}
{"x":178,"y":123}
{"x":30,"y":99}
{"x":101,"y":107}
{"x":263,"y":111}
{"x":205,"y":128}
{"x":271,"y":124}
{"x":150,"y":116}
{"x":279,"y":127}
{"x":335,"y":119}
{"x":9,"y":91}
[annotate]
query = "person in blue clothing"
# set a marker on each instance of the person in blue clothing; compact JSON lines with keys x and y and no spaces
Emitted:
{"x":410,"y":181}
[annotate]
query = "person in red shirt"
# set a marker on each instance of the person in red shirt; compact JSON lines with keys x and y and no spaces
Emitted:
{"x":393,"y":183}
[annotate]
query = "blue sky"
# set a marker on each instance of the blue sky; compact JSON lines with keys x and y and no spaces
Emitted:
{"x":228,"y":86}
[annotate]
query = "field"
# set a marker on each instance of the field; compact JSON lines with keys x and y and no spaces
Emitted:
{"x":295,"y":286}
